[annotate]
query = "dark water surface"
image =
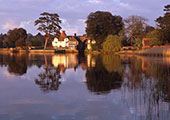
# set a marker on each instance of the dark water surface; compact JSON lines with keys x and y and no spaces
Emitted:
{"x":72,"y":87}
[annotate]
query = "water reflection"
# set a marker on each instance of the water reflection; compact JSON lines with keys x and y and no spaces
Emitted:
{"x":102,"y":78}
{"x":148,"y":83}
{"x":142,"y":82}
{"x":17,"y":64}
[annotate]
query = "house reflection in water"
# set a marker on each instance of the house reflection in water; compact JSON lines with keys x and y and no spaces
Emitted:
{"x":90,"y":61}
{"x":66,"y":61}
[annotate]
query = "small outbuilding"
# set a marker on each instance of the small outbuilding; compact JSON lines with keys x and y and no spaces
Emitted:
{"x":146,"y":42}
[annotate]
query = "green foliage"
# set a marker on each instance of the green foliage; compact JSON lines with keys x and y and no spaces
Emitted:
{"x":16,"y":38}
{"x":164,"y":25}
{"x":138,"y":43}
{"x":155,"y":36}
{"x":49,"y":24}
{"x":112,"y":43}
{"x":101,"y":24}
{"x":35,"y":42}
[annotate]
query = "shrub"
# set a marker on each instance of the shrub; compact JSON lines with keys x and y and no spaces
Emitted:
{"x":112,"y":43}
{"x":138,"y":43}
{"x":155,"y":36}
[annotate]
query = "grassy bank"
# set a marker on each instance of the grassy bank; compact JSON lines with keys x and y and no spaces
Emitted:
{"x":155,"y":51}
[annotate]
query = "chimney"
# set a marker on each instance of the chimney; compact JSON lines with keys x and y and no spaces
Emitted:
{"x":75,"y":35}
{"x":63,"y":31}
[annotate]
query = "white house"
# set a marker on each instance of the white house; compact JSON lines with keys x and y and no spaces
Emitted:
{"x":66,"y":42}
{"x":62,"y":42}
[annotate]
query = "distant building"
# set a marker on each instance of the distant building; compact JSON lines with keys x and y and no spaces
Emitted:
{"x":89,"y":42}
{"x":69,"y":42}
{"x":72,"y":43}
{"x":146,"y":42}
{"x":62,"y":42}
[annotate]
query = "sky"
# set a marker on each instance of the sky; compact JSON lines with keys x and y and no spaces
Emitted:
{"x":73,"y":13}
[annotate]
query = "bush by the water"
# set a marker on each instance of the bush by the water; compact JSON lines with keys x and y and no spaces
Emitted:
{"x":138,"y":43}
{"x":155,"y":36}
{"x":112,"y":43}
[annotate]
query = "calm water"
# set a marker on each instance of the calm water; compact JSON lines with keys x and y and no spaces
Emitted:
{"x":72,"y":87}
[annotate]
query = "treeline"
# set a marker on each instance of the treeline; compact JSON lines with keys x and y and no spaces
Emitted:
{"x":113,"y":32}
{"x":109,"y":32}
{"x":18,"y":37}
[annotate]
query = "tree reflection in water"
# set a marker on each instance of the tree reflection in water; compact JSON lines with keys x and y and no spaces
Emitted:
{"x":16,"y":63}
{"x":143,"y":82}
{"x":103,"y":78}
{"x":49,"y":79}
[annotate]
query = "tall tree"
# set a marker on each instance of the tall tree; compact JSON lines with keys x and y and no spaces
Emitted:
{"x":164,"y":25}
{"x":2,"y":38}
{"x":17,"y":37}
{"x":135,"y":27}
{"x":101,"y":24}
{"x":49,"y":24}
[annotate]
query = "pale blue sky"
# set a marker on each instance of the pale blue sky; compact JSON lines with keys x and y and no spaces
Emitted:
{"x":23,"y":13}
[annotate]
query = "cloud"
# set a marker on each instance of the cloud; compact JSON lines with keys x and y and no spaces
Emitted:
{"x":8,"y":75}
{"x":32,"y":0}
{"x":70,"y":29}
{"x":9,"y":25}
{"x":29,"y":26}
{"x":95,"y":1}
{"x":73,"y":27}
{"x":82,"y":20}
{"x":24,"y":24}
{"x":73,"y":12}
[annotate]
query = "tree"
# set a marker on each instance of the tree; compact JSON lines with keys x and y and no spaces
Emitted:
{"x":112,"y":43}
{"x":155,"y":36}
{"x":138,"y":43}
{"x":41,"y":38}
{"x":101,"y":24}
{"x":164,"y":25}
{"x":2,"y":38}
{"x":135,"y":27}
{"x":35,"y":42}
{"x":16,"y":37}
{"x":49,"y":24}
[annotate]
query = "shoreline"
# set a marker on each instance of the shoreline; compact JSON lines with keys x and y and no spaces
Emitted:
{"x":153,"y":51}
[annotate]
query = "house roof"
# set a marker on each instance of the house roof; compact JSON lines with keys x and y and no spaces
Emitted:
{"x":72,"y":39}
{"x":62,"y":36}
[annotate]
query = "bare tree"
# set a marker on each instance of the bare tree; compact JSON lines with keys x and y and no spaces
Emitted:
{"x":135,"y":27}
